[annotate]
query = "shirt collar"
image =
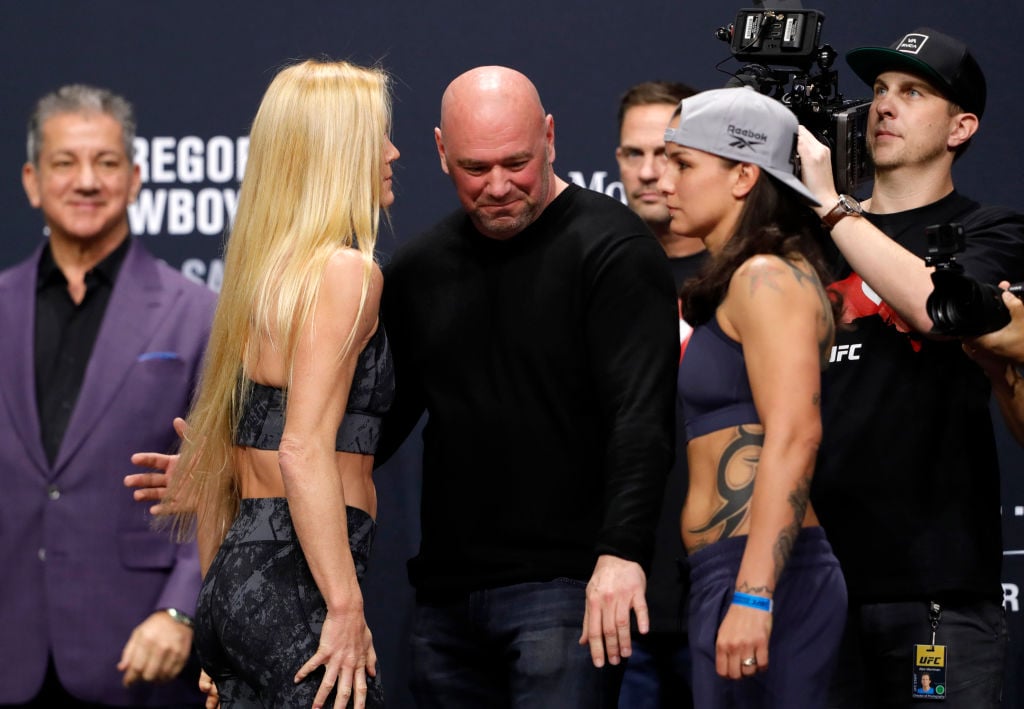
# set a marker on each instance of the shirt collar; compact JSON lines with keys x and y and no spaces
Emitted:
{"x":105,"y":271}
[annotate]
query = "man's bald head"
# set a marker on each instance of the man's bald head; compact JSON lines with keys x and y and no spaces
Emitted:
{"x":490,"y":93}
{"x":497,"y":145}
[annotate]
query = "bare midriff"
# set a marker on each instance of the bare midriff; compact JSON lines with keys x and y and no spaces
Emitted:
{"x":723,"y":468}
{"x":259,"y":475}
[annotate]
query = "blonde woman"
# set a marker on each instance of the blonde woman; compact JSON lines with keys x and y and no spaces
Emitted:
{"x":767,"y":598}
{"x":275,"y":472}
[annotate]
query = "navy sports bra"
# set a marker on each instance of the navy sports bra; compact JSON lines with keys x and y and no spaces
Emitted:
{"x":373,"y":388}
{"x":713,"y":386}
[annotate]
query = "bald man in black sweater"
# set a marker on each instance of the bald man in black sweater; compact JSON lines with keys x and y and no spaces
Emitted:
{"x":537,"y":327}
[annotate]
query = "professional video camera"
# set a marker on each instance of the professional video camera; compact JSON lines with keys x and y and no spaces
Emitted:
{"x":959,"y":306}
{"x":787,"y":63}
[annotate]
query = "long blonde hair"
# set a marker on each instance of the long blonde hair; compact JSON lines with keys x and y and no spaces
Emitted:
{"x":312,"y":185}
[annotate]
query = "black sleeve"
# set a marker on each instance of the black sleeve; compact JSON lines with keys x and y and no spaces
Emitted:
{"x":994,"y":245}
{"x":633,"y":336}
{"x":408,"y":406}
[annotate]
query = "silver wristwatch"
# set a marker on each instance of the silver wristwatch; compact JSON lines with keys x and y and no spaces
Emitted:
{"x":179,"y":617}
{"x":846,"y":206}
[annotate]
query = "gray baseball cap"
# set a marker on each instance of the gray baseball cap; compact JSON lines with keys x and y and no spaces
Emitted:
{"x":743,"y":125}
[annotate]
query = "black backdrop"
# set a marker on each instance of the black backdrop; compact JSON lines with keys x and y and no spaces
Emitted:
{"x":196,"y":70}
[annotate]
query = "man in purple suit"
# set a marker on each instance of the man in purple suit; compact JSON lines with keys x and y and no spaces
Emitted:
{"x":101,"y":346}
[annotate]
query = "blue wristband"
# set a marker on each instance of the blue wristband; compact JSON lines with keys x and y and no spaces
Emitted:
{"x":759,"y":602}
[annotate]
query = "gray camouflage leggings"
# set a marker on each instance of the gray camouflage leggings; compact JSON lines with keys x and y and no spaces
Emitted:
{"x":260,"y":612}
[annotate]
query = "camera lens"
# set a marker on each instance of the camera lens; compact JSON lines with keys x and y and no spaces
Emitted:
{"x":962,"y":307}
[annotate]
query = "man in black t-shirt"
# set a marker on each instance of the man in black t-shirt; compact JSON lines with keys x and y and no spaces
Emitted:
{"x":907,"y":484}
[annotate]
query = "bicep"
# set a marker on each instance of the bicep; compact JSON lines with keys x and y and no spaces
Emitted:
{"x":780,"y":331}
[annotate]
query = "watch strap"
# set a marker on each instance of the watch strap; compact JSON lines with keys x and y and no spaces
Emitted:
{"x":846,"y":206}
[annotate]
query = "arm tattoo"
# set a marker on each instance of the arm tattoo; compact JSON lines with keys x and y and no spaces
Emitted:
{"x":787,"y":536}
{"x":799,"y":275}
{"x":767,"y":277}
{"x":825,"y":344}
{"x":735,"y":500}
{"x":756,"y":590}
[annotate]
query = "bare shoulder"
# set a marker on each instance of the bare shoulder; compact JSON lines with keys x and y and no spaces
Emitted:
{"x":770,"y":286}
{"x":763,"y":264}
{"x":346,"y":271}
{"x":343,"y":286}
{"x":352,"y":264}
{"x":777,"y":271}
{"x":766,"y":274}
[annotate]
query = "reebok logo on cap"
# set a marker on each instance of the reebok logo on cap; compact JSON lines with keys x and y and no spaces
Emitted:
{"x":743,"y":125}
{"x":743,"y":138}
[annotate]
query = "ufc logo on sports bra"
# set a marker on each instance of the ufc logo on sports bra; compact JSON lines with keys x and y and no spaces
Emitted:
{"x":847,"y":352}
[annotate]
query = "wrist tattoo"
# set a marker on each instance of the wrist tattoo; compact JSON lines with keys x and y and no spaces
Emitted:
{"x":744,"y":587}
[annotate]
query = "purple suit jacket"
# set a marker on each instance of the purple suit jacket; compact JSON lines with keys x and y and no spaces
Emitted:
{"x":80,"y":564}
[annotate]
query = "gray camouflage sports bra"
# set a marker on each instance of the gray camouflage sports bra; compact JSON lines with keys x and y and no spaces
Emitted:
{"x":373,"y":389}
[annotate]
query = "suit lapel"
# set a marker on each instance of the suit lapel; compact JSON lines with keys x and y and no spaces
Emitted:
{"x":133,"y":314}
{"x":17,"y":353}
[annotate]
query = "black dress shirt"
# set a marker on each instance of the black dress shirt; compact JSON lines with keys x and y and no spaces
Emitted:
{"x":64,"y":337}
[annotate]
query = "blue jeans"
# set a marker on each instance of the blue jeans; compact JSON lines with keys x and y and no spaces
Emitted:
{"x":876,"y":656}
{"x":657,"y":673}
{"x":513,"y":646}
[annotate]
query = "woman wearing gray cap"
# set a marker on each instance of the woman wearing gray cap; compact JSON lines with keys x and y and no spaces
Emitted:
{"x":768,"y":598}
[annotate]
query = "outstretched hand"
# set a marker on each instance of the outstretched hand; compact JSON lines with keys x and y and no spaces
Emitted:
{"x":152,"y":486}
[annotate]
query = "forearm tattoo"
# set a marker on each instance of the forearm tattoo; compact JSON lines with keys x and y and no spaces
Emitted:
{"x":744,"y":450}
{"x":797,"y":499}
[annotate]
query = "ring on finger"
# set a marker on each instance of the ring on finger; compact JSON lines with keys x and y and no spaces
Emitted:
{"x":749,"y":662}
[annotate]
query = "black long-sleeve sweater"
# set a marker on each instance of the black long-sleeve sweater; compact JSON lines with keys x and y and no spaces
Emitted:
{"x":546,"y":364}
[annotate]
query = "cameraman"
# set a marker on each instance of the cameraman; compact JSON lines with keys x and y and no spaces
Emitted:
{"x":907,"y":486}
{"x":1001,"y":354}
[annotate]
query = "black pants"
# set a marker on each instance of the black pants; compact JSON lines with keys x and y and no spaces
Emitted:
{"x":877,"y":655}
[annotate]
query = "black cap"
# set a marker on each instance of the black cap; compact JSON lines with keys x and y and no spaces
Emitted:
{"x":945,"y":62}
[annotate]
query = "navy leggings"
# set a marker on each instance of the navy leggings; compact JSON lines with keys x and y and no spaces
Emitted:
{"x":807,"y":627}
{"x":260,"y":612}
